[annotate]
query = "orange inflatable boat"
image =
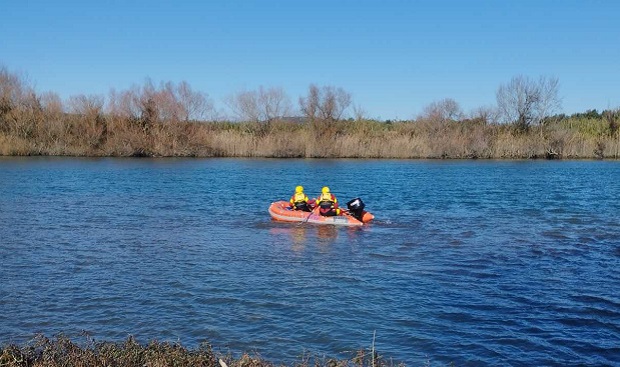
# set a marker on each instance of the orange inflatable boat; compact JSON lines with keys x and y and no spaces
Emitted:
{"x":281,"y":210}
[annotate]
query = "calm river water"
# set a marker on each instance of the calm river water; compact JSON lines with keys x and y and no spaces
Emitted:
{"x":471,"y":262}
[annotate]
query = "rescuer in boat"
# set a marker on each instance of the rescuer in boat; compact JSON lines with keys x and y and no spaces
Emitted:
{"x":299,"y":200}
{"x":327,"y":203}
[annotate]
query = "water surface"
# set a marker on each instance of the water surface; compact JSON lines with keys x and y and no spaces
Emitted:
{"x":471,"y":262}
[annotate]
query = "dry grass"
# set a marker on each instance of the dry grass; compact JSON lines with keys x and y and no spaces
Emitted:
{"x":156,"y":122}
{"x":62,"y":352}
{"x":411,"y":141}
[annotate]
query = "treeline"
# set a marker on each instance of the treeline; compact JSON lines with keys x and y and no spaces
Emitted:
{"x":172,"y":119}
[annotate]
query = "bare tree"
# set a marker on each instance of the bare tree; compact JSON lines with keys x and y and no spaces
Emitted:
{"x":310,"y":104}
{"x":53,"y":125}
{"x":134,"y":107}
{"x":154,"y":105}
{"x":194,"y":105}
{"x":84,"y":105}
{"x":262,"y":105}
{"x":335,"y":102}
{"x":327,"y":103}
{"x":88,"y":110}
{"x":21,"y":112}
{"x":485,"y":115}
{"x":527,"y":102}
{"x":244,"y":105}
{"x":274,"y":103}
{"x":52,"y":104}
{"x":550,"y":102}
{"x":443,"y":111}
{"x":125,"y":105}
{"x":359,"y":112}
{"x":17,"y":98}
{"x":11,"y":91}
{"x":167,"y":103}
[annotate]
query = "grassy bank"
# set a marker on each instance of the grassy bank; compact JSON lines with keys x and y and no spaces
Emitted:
{"x":75,"y":136}
{"x":171,"y":121}
{"x":61,"y":351}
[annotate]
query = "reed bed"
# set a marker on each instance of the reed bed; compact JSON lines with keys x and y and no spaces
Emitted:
{"x":158,"y":122}
{"x":410,"y":140}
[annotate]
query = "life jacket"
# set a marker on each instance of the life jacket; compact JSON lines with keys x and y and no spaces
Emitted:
{"x":328,"y":205}
{"x":299,"y":201}
{"x":326,"y":200}
{"x":299,"y":197}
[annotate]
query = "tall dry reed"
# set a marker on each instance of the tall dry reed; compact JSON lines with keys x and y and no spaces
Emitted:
{"x":150,"y":121}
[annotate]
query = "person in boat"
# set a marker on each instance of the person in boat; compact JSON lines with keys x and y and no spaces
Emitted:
{"x":299,"y":200}
{"x":327,"y":203}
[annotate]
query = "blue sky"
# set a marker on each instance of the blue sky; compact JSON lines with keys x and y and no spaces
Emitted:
{"x":394,"y":57}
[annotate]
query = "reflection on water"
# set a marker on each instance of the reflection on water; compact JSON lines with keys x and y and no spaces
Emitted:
{"x":327,"y":234}
{"x":300,"y":234}
{"x":298,"y":237}
{"x":295,"y":234}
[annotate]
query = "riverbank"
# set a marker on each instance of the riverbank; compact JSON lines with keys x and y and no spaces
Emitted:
{"x":173,"y":120}
{"x":62,"y":351}
{"x":564,"y":139}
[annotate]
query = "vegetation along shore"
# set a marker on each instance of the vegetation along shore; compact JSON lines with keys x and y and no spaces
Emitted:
{"x":62,"y":351}
{"x":173,"y":120}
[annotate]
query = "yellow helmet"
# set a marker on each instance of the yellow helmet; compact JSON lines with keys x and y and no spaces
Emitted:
{"x":299,"y":189}
{"x":325,"y":190}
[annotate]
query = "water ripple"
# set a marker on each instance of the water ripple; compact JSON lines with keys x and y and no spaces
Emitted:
{"x":474,"y":263}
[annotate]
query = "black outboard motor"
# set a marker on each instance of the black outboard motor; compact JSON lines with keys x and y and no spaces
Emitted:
{"x":356,"y":208}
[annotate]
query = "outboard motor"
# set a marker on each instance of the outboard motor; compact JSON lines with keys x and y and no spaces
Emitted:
{"x":356,"y":208}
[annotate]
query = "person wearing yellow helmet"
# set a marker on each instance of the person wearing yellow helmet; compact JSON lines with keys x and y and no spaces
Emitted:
{"x":327,"y":203}
{"x":299,"y":200}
